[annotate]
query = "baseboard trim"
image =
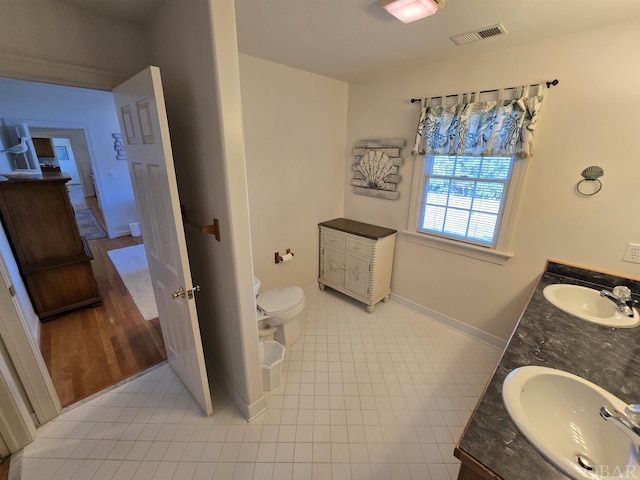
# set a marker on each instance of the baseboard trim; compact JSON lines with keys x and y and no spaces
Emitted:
{"x":248,"y":411}
{"x":470,"y":331}
{"x":121,"y":233}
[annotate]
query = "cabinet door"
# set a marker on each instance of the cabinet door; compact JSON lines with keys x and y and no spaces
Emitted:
{"x":333,"y":266}
{"x":357,"y":274}
{"x":43,"y":146}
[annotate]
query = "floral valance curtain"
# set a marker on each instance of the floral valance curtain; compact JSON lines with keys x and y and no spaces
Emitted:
{"x":473,"y":128}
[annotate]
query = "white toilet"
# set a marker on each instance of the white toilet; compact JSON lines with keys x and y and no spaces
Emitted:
{"x":278,"y":311}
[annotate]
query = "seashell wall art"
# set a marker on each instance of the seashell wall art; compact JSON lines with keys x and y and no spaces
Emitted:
{"x":375,"y":169}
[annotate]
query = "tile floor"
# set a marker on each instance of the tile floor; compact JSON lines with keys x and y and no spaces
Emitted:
{"x":380,"y":396}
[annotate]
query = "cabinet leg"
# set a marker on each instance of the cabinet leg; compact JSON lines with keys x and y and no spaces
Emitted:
{"x":369,"y":308}
{"x":321,"y":287}
{"x":385,"y":299}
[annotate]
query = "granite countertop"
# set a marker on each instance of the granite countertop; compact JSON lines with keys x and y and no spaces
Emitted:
{"x":547,"y":336}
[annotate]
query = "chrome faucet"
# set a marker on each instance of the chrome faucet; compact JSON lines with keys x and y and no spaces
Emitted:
{"x":627,"y":422}
{"x":621,"y":296}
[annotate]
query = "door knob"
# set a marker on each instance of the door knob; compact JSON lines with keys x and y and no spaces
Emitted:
{"x":185,"y":293}
{"x":179,"y":293}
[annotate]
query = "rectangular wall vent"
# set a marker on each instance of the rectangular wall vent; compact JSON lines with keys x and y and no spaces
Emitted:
{"x":480,"y":34}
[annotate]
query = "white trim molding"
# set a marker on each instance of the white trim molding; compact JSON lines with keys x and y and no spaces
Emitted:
{"x":460,"y":248}
{"x":248,"y":411}
{"x":46,"y":71}
{"x":470,"y":331}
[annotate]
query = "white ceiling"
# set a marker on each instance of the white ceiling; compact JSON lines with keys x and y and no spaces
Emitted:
{"x":353,"y":39}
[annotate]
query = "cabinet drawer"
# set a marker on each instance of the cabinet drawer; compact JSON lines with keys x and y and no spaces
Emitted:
{"x":332,"y":238}
{"x":358,"y":246}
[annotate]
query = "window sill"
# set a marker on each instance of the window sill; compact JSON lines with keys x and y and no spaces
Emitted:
{"x":459,"y":248}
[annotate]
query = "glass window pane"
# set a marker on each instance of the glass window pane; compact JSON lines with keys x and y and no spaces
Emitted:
{"x":498,"y":168}
{"x":488,"y":197}
{"x":461,"y":194}
{"x":443,"y":166}
{"x":433,"y":218}
{"x":456,"y":222}
{"x":482,"y":227}
{"x":437,"y":191}
{"x":468,"y":166}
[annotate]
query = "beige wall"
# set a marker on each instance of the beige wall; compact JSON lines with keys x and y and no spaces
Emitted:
{"x":295,"y":127}
{"x":588,"y":119}
{"x":55,"y":32}
{"x":202,"y":92}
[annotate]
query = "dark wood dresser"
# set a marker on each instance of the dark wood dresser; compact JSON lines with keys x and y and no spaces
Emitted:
{"x":53,"y":258}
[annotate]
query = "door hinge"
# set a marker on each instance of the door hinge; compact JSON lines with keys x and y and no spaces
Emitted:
{"x":12,"y":290}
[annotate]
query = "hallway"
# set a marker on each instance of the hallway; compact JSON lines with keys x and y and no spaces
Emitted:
{"x":89,"y":349}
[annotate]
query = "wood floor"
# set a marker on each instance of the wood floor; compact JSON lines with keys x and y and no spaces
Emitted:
{"x":92,"y":348}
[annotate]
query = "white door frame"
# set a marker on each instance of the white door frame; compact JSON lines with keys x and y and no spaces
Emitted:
{"x":16,"y":425}
{"x":82,"y":157}
{"x":21,"y":346}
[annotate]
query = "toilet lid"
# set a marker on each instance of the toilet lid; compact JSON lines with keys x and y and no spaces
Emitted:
{"x":278,"y":300}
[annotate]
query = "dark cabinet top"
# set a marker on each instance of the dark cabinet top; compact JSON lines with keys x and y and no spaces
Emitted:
{"x":373,"y":232}
{"x":34,"y":178}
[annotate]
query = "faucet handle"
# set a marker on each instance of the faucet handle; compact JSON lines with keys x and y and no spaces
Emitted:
{"x":622,"y":292}
{"x":632,"y":411}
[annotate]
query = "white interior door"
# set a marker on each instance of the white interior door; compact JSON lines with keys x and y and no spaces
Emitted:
{"x":63,"y":151}
{"x":145,"y":131}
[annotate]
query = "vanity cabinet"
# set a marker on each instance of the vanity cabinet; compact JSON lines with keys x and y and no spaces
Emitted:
{"x":492,"y":446}
{"x":356,"y":259}
{"x":53,"y":259}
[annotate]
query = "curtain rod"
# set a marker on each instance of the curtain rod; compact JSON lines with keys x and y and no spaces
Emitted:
{"x":550,"y":84}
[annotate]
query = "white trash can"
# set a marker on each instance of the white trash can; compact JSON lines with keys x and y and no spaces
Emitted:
{"x":271,"y":357}
{"x":134,"y":228}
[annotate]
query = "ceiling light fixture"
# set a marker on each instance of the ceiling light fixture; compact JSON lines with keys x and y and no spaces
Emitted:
{"x":411,"y":10}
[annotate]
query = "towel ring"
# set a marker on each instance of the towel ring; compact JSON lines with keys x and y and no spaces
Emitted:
{"x":588,"y":194}
{"x":590,"y":174}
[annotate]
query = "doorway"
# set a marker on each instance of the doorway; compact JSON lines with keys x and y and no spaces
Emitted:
{"x":71,"y":154}
{"x":90,"y":349}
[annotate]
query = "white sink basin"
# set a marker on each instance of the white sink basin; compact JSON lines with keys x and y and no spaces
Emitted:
{"x":559,"y":414}
{"x":587,"y":304}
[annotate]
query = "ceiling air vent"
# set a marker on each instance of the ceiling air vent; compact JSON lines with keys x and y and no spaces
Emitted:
{"x":481,"y":34}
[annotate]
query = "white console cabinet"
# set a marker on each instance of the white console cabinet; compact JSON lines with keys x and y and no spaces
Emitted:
{"x":356,"y":259}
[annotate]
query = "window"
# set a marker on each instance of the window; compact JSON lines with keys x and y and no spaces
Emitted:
{"x":466,"y":204}
{"x":463,"y":197}
{"x":470,"y":159}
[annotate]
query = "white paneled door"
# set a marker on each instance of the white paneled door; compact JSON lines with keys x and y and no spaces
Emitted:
{"x":145,"y":135}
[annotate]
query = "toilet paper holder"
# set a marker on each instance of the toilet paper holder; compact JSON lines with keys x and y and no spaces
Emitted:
{"x":287,"y":256}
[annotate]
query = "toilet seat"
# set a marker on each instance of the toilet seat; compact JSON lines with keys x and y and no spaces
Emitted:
{"x":279,"y":300}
